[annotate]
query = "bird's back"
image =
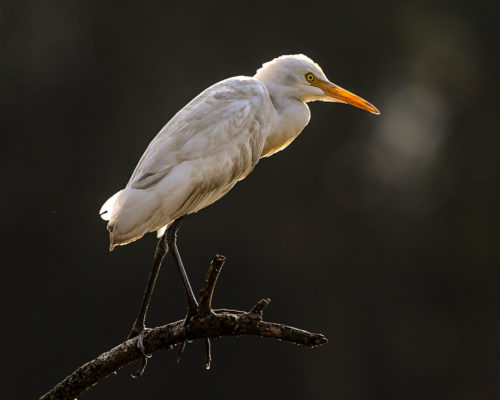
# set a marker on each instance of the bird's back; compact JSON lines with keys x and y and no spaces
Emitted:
{"x":198,"y":156}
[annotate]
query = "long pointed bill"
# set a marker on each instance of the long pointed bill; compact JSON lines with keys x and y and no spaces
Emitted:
{"x":338,"y":94}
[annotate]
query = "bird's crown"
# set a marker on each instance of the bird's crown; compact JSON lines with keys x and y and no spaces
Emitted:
{"x":289,"y":67}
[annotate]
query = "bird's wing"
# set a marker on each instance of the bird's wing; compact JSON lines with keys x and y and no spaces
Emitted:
{"x":225,"y":122}
{"x":198,"y":156}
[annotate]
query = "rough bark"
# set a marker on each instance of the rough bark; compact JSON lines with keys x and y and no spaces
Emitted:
{"x":208,"y":323}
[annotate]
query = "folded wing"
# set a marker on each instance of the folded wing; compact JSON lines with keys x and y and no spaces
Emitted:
{"x":198,"y":156}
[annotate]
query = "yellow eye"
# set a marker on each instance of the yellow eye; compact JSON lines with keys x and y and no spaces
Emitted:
{"x":310,"y":77}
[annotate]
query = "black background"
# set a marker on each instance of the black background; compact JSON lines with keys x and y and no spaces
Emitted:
{"x":380,"y":232}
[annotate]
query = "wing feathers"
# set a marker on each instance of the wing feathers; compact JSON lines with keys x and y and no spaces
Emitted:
{"x":196,"y":158}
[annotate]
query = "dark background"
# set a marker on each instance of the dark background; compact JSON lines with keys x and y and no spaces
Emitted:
{"x":380,"y":232}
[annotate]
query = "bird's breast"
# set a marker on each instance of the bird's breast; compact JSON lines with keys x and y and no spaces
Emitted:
{"x":291,"y":120}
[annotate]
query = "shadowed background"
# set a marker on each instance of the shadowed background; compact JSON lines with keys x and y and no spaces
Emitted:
{"x":379,"y":232}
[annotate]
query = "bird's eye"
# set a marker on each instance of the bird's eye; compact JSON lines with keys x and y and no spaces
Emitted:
{"x":310,"y":77}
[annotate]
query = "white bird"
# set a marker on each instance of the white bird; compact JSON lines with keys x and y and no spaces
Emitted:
{"x":213,"y":142}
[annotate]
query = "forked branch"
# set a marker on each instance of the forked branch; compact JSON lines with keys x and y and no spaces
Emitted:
{"x":207,"y":324}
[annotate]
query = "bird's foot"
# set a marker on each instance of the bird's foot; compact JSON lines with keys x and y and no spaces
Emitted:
{"x":192,"y":312}
{"x":203,"y":308}
{"x":197,"y":311}
{"x":138,"y":331}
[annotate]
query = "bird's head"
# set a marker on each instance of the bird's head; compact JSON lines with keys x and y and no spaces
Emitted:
{"x":300,"y":77}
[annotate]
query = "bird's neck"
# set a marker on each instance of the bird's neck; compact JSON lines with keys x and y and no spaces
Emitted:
{"x":292,"y":115}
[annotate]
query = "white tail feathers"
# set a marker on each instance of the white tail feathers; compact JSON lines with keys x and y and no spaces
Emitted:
{"x":132,"y":213}
{"x":106,"y":210}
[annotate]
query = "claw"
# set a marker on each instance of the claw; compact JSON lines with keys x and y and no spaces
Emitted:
{"x":140,"y":371}
{"x":142,"y":349}
{"x":190,"y":314}
{"x":140,"y":345}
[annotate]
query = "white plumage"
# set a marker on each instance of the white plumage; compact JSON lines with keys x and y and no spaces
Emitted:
{"x":215,"y":141}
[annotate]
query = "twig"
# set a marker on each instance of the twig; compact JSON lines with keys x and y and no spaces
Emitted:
{"x":258,"y":309}
{"x":208,"y":353}
{"x":206,"y":295}
{"x":206,"y":325}
{"x":207,"y":291}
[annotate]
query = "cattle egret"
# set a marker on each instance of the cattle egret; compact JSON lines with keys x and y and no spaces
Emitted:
{"x":213,"y":142}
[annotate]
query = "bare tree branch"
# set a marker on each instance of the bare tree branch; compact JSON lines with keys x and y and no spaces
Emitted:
{"x":207,"y":324}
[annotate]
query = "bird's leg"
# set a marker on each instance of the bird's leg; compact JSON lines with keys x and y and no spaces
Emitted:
{"x":192,"y":308}
{"x":140,"y":321}
{"x":171,"y":235}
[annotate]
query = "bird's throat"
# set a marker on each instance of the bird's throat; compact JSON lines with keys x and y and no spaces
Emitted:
{"x":292,"y":117}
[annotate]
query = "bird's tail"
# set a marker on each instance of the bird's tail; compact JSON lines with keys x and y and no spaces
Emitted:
{"x":129,"y":214}
{"x":107,"y":208}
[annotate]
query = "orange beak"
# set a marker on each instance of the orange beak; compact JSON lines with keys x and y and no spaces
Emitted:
{"x":341,"y":95}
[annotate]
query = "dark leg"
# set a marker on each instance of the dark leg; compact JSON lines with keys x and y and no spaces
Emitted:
{"x":140,"y":321}
{"x":171,"y":235}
